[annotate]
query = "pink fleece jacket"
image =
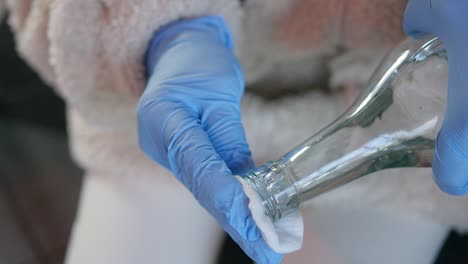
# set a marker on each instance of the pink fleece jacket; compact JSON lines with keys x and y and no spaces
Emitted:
{"x":91,"y":52}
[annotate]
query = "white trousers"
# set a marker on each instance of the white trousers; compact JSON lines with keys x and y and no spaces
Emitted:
{"x":342,"y":236}
{"x":165,"y":225}
{"x":148,"y":225}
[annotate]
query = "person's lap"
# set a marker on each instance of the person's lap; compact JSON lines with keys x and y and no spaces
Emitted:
{"x":164,"y":224}
{"x":366,"y":235}
{"x":148,"y":224}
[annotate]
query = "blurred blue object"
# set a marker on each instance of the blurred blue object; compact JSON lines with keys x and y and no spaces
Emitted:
{"x":449,"y":21}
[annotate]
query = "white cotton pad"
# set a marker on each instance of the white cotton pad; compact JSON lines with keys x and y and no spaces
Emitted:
{"x":284,"y":235}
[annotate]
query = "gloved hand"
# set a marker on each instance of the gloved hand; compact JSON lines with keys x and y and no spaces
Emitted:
{"x":448,"y":20}
{"x":189,"y":121}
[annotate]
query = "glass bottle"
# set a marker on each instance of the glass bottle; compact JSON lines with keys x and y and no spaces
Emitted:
{"x":389,"y":125}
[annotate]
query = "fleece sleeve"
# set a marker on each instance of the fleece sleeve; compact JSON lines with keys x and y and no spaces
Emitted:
{"x":92,"y":51}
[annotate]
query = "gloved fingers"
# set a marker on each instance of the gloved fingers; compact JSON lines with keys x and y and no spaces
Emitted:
{"x":418,"y":18}
{"x":231,"y":209}
{"x":257,"y":250}
{"x":199,"y":167}
{"x":450,"y":165}
{"x":219,"y":192}
{"x":226,"y":132}
{"x":261,"y":252}
{"x":194,"y":161}
{"x":214,"y":186}
{"x":153,"y":115}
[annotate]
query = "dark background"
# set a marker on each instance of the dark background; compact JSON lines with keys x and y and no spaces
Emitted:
{"x":40,"y":185}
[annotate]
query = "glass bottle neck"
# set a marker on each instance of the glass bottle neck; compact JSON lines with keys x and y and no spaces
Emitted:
{"x":282,"y":187}
{"x":275,"y":188}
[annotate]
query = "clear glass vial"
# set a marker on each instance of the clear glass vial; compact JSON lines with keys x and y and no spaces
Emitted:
{"x":391,"y":124}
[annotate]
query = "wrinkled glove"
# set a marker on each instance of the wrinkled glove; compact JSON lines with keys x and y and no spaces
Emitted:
{"x":448,"y":19}
{"x":189,"y":122}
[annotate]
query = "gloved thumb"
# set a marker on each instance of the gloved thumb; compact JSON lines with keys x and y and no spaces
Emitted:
{"x":227,"y":135}
{"x":450,"y":165}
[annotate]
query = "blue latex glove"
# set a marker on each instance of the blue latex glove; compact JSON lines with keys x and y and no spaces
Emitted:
{"x":189,"y":121}
{"x":448,"y":19}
